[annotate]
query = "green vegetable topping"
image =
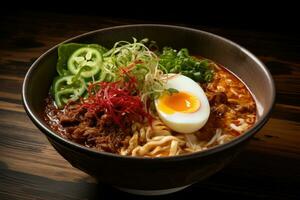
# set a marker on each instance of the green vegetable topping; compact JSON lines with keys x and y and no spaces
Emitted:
{"x":65,"y":88}
{"x":172,"y":61}
{"x":172,"y":91}
{"x":79,"y":65}
{"x":88,"y":58}
{"x":66,"y":50}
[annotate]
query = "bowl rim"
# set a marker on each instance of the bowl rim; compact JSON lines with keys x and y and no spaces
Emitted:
{"x":49,"y":133}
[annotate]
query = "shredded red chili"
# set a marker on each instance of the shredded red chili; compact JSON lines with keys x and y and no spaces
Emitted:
{"x":118,"y":99}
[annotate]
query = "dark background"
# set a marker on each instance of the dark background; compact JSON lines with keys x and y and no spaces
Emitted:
{"x":268,"y":168}
{"x":276,"y":16}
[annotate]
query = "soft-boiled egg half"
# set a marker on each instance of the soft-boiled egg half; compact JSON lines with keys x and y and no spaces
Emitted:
{"x":185,"y":111}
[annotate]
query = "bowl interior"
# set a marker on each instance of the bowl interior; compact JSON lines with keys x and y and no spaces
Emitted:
{"x":235,"y":58}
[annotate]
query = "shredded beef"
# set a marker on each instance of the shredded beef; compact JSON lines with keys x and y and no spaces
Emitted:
{"x":94,"y":130}
{"x":218,"y":98}
{"x":246,"y":108}
{"x":209,"y":130}
{"x":219,"y":110}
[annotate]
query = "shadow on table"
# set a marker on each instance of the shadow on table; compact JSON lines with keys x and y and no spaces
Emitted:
{"x":20,"y":185}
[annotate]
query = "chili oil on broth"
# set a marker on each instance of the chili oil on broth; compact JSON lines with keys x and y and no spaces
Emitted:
{"x":233,"y":112}
{"x":233,"y":108}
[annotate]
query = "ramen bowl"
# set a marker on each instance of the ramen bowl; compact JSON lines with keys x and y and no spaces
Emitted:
{"x":142,"y":175}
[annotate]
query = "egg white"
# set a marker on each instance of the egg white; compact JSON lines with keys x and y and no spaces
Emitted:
{"x":186,"y":122}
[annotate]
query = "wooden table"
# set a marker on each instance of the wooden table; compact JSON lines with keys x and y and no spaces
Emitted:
{"x":31,"y":169}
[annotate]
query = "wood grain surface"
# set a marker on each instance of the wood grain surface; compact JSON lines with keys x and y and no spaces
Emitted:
{"x":269,"y":167}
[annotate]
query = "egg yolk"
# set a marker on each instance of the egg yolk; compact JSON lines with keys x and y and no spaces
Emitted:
{"x":178,"y":102}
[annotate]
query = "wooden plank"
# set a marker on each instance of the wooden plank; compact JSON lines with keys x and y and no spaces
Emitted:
{"x":28,"y":186}
{"x":11,"y":106}
{"x":14,"y":78}
{"x":8,"y":95}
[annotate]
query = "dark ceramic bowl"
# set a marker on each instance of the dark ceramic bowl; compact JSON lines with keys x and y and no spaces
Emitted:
{"x":166,"y":174}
